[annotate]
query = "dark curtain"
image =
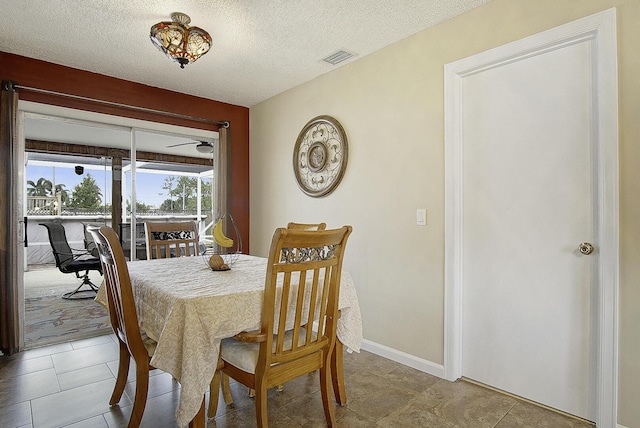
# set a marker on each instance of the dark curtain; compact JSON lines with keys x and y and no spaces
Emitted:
{"x":222,"y":193}
{"x":9,"y":314}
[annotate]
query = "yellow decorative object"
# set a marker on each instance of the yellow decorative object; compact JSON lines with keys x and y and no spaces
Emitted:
{"x":219,"y":236}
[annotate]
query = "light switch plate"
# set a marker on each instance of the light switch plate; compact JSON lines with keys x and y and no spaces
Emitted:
{"x":421,"y":216}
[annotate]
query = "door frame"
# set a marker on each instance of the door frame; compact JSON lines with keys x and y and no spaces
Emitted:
{"x":601,"y":28}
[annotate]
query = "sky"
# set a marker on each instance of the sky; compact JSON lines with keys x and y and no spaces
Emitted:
{"x":149,"y":186}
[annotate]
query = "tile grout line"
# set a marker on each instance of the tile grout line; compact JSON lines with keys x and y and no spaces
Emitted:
{"x":526,"y":400}
{"x":506,"y":413}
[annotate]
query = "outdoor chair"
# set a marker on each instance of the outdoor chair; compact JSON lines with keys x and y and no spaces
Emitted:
{"x":89,"y":245}
{"x":71,"y":260}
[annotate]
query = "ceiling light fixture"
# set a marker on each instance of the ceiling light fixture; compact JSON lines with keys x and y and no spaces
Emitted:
{"x":204,"y":147}
{"x":181,"y":43}
{"x":201,"y":146}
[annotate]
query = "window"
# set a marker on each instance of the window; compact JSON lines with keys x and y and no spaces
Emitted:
{"x":76,"y":161}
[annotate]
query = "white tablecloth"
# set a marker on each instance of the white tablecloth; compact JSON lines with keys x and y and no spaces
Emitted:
{"x":188,"y":309}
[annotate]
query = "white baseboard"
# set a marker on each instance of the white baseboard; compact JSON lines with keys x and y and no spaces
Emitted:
{"x":621,"y":426}
{"x":404,"y":358}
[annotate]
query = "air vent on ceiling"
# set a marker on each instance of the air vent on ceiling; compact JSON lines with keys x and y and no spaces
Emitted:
{"x":339,"y":57}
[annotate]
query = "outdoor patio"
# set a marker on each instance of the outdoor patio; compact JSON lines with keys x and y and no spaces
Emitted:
{"x":51,"y":319}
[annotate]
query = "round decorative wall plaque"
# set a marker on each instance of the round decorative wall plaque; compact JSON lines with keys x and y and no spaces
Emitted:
{"x":320,"y":156}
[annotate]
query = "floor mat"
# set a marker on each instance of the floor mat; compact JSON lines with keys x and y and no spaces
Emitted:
{"x":51,"y":319}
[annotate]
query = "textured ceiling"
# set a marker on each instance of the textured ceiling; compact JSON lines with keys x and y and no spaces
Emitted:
{"x":260,"y":47}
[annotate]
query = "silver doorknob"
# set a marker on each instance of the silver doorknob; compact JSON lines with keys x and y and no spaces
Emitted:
{"x":585,"y":248}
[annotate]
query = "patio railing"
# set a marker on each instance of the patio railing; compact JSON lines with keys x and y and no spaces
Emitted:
{"x":44,"y":205}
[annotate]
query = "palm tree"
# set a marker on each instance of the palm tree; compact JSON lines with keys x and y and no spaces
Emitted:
{"x":64,"y":193}
{"x":42,"y":187}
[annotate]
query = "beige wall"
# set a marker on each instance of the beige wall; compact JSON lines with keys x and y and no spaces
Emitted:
{"x":391,"y":106}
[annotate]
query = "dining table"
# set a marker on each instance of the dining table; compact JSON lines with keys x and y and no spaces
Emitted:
{"x":188,"y":308}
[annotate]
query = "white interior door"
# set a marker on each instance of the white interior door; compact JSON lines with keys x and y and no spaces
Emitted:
{"x":528,"y":188}
{"x":528,"y":204}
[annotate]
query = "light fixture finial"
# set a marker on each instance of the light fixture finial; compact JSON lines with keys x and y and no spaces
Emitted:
{"x":180,"y":17}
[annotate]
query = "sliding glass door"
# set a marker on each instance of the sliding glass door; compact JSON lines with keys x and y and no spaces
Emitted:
{"x":86,"y":168}
{"x":166,"y":187}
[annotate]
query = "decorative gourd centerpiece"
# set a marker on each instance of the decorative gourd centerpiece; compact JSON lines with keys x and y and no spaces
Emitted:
{"x":225,"y":250}
{"x":217,"y":263}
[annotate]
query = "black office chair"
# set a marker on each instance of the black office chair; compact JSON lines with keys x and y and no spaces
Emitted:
{"x":70,"y":260}
{"x":89,"y":244}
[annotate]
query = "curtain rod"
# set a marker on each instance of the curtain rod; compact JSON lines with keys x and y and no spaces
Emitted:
{"x":12,"y":86}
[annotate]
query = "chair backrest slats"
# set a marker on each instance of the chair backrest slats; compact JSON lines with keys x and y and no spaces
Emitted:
{"x":302,"y":282}
{"x":312,"y":304}
{"x":324,"y":301}
{"x":122,"y":309}
{"x":302,"y":287}
{"x":166,"y":240}
{"x":58,"y":239}
{"x":284,"y":306}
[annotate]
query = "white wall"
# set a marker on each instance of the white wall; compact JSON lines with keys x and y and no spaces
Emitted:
{"x":390,"y":104}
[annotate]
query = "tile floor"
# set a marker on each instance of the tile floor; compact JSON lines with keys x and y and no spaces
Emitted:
{"x":69,"y":385}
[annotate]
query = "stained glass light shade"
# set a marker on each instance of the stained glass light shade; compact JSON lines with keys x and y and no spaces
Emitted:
{"x":180,"y":42}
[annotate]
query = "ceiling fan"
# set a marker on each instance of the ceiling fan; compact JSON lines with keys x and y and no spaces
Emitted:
{"x":201,"y":146}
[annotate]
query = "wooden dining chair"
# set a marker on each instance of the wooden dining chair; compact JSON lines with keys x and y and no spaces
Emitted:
{"x":298,"y":226}
{"x":124,"y":320}
{"x":165,"y":240}
{"x":302,"y":284}
{"x":307,"y":226}
{"x":337,"y":367}
{"x":175,"y":239}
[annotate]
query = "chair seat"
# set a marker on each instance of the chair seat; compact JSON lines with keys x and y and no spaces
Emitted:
{"x":83,"y":262}
{"x":245,"y":355}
